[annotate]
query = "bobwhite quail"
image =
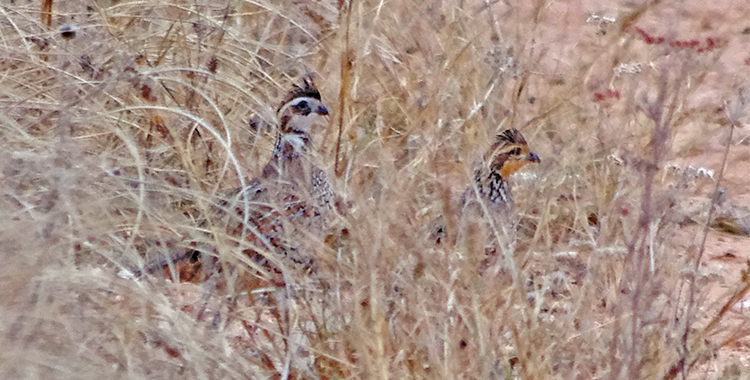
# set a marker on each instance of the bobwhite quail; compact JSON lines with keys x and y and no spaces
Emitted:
{"x":490,"y":190}
{"x":270,"y":217}
{"x":507,"y":155}
{"x":292,"y":198}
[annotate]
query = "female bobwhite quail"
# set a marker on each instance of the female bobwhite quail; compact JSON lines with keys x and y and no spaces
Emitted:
{"x":489,"y":197}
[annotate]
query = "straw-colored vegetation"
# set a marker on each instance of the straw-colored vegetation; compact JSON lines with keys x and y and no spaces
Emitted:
{"x":121,"y":121}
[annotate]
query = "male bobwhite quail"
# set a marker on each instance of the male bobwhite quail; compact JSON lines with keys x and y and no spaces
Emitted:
{"x":292,"y":199}
{"x":269,"y":219}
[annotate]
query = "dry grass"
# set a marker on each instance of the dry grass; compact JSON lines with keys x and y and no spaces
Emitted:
{"x":122,"y":130}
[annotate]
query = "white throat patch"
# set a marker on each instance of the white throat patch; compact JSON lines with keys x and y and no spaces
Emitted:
{"x":295,"y":140}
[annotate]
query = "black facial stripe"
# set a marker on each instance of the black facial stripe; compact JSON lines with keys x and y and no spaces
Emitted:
{"x":302,"y":107}
{"x":307,"y":90}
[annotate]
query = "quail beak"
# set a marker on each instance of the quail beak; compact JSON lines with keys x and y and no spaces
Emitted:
{"x":322,"y":110}
{"x":533,"y":157}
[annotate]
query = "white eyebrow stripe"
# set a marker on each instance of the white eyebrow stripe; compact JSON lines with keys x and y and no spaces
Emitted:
{"x":296,"y":101}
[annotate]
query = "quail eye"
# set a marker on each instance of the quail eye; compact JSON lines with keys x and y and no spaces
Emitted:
{"x":516,"y":151}
{"x":302,"y":105}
